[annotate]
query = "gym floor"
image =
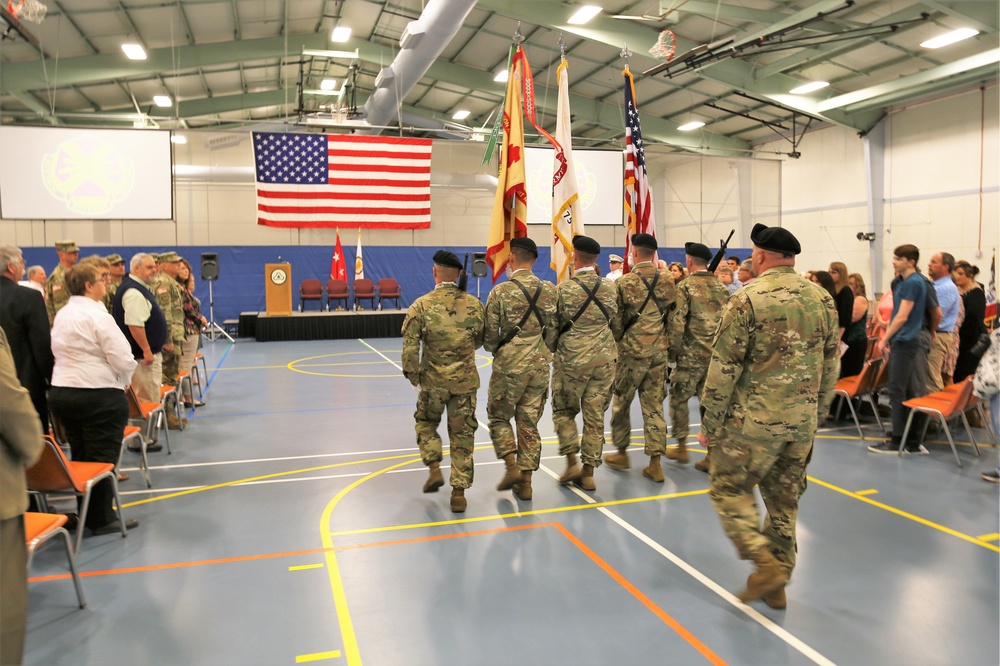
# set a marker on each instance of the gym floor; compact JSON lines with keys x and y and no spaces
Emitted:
{"x":288,"y":526}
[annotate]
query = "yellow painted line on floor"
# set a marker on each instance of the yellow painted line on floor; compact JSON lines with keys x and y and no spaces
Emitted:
{"x":870,"y":491}
{"x":353,"y":653}
{"x":303,"y":567}
{"x":989,"y":537}
{"x":317,"y":656}
{"x":909,"y":516}
{"x":519,"y":514}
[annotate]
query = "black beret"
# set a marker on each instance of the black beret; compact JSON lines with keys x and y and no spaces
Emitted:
{"x":525,"y":244}
{"x":586,"y":244}
{"x":446,"y":258}
{"x":698,"y":250}
{"x":774,"y":239}
{"x":644,"y":240}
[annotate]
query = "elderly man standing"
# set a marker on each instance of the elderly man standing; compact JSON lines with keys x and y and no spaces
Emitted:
{"x":35,"y":279}
{"x":521,"y":334}
{"x":770,"y":383}
{"x":692,"y":325}
{"x":584,"y":364}
{"x":171,"y":300}
{"x":447,"y":326}
{"x":145,"y":327}
{"x":940,"y":269}
{"x":645,"y":299}
{"x":56,"y":295}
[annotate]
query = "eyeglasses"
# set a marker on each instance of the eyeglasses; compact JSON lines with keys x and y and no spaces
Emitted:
{"x":104,"y":277}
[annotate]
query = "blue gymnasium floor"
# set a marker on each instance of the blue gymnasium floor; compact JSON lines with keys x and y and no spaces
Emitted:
{"x":288,"y":527}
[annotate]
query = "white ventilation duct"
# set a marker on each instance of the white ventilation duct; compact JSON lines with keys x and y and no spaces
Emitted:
{"x":422,"y":42}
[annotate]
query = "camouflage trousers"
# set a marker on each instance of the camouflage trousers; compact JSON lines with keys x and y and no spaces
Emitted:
{"x":461,"y":407}
{"x":648,"y":376}
{"x":685,"y":383}
{"x":589,"y":392}
{"x":520,"y":397}
{"x":171,"y":366}
{"x":778,"y":468}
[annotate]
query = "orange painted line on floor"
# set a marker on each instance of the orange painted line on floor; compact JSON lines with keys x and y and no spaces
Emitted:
{"x":290,"y":553}
{"x":646,"y":601}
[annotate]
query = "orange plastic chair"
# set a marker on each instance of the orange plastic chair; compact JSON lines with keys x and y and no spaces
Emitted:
{"x":944,"y":404}
{"x":388,"y":288}
{"x":131,"y":433}
{"x":39,"y":528}
{"x":336,"y":290}
{"x":859,"y":386}
{"x":364,"y":290}
{"x":310,"y":290}
{"x":200,"y":380}
{"x":53,"y":473}
{"x":151,"y":413}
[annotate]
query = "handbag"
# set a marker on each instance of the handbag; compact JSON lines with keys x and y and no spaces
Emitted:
{"x":981,"y":345}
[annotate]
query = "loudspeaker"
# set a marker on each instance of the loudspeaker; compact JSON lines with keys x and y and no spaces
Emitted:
{"x":209,"y":266}
{"x":479,"y":266}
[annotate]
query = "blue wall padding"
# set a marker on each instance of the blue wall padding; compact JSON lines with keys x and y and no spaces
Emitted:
{"x":240,"y":287}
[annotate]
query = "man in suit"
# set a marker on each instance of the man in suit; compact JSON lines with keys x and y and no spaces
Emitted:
{"x":23,"y":317}
{"x":20,"y":446}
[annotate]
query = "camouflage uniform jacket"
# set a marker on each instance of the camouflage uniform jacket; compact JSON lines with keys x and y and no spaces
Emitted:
{"x":589,"y":342}
{"x":692,"y":325}
{"x":647,"y":337}
{"x":775,"y":360}
{"x":171,"y":301}
{"x":109,"y":296}
{"x":56,"y":294}
{"x":532,"y":347}
{"x":449,"y":323}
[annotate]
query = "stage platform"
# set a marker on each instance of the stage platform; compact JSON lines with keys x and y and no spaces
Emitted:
{"x":337,"y":325}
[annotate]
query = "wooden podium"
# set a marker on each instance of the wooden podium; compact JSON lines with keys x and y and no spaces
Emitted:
{"x":278,"y":289}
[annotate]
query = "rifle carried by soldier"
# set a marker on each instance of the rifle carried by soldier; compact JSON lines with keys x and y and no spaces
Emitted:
{"x":720,"y":255}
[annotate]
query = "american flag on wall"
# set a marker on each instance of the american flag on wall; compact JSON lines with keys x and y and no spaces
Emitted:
{"x":638,"y":201}
{"x":334,"y":180}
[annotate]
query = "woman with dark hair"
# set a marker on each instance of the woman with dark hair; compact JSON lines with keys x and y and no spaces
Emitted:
{"x":93,"y":365}
{"x":823,"y":279}
{"x":853,"y":359}
{"x":677,"y":271}
{"x":194,"y":322}
{"x":973,"y":327}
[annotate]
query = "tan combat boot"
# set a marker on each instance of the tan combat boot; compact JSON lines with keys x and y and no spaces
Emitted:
{"x":512,"y":474}
{"x":522,"y":489}
{"x":769,"y":578}
{"x":776,"y":599}
{"x":434,"y":479}
{"x":618,"y":460}
{"x":705,"y":464}
{"x":586,"y":478}
{"x":572,"y":472}
{"x":678,"y":453}
{"x":653,"y":471}
{"x":174,"y":424}
{"x":458,"y":502}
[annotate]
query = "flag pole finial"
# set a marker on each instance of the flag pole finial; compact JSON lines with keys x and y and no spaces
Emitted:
{"x":625,"y":53}
{"x":562,"y":46}
{"x":518,"y":37}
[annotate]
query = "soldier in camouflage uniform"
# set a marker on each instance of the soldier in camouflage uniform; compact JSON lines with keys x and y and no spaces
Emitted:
{"x":645,"y":298}
{"x":700,"y":299}
{"x":770,"y":383}
{"x":56,"y":294}
{"x":117,"y":264}
{"x":521,"y":333}
{"x":171,"y":301}
{"x":449,"y":324}
{"x":584,"y":363}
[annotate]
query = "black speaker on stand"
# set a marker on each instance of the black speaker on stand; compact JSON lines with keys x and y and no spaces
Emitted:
{"x":210,"y":273}
{"x":480,"y":269}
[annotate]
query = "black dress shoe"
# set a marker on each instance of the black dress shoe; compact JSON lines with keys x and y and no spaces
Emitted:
{"x":153,"y":447}
{"x":115,"y":526}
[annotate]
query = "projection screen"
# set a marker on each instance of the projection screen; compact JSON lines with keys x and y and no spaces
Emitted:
{"x":599,"y":175}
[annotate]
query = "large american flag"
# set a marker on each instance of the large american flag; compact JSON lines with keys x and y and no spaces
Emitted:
{"x":638,"y":201}
{"x":334,"y":180}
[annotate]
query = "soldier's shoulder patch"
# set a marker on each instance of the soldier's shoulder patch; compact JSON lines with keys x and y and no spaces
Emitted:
{"x":56,"y":287}
{"x":162,"y":290}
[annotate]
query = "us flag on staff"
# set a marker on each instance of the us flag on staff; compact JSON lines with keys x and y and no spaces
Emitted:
{"x":339,"y":180}
{"x":638,"y":201}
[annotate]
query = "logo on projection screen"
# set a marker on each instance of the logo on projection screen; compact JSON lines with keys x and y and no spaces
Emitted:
{"x":539,"y":186}
{"x":89,"y":175}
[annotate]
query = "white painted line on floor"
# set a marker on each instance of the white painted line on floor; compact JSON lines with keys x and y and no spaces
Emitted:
{"x":761,"y":619}
{"x":411,"y":449}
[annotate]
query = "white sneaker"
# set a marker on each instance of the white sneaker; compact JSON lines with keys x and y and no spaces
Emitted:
{"x":919,"y":451}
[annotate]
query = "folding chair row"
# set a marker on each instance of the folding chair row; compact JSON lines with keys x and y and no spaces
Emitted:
{"x":339,"y":291}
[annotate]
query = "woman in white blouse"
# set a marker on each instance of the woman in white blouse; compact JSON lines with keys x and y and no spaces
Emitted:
{"x":93,"y":365}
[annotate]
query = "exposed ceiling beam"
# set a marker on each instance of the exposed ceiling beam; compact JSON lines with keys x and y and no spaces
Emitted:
{"x":978,"y":14}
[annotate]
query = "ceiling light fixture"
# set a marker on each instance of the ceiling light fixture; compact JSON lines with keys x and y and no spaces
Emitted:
{"x":584,"y":14}
{"x":134,"y":51}
{"x":340,"y":34}
{"x":461,"y":115}
{"x":162,"y":101}
{"x":809,"y":87}
{"x":501,"y":76}
{"x":693,"y":125}
{"x":328,"y":84}
{"x":178,"y":138}
{"x":949,"y":38}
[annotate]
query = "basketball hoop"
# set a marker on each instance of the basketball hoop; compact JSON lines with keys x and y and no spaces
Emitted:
{"x":665,"y":46}
{"x":32,"y":11}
